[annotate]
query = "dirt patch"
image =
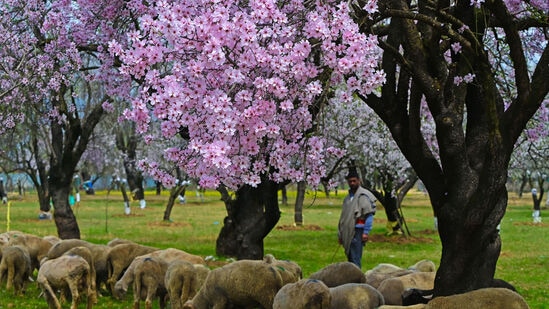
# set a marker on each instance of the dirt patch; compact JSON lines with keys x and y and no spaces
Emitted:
{"x":416,"y":238}
{"x":308,"y":227}
{"x":541,"y":224}
{"x":168,"y":224}
{"x":130,"y":215}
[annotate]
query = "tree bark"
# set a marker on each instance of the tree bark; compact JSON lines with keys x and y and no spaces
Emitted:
{"x":251,"y":215}
{"x":65,"y":221}
{"x":174,"y":193}
{"x":298,"y":208}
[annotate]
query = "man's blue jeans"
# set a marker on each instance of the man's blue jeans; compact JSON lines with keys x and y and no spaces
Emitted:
{"x":355,"y":251}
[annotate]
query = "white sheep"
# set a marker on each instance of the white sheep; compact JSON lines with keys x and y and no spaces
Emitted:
{"x":500,"y":298}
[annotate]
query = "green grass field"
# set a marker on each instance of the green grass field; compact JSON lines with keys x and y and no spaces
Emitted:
{"x":524,"y":260}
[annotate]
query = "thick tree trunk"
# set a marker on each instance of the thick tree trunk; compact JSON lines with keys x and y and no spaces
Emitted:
{"x":65,"y":221}
{"x":250,"y":217}
{"x":298,"y":208}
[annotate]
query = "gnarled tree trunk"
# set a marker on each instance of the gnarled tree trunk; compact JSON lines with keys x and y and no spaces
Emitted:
{"x":251,"y":215}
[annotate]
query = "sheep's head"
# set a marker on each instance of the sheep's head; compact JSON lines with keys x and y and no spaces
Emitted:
{"x":188,"y":305}
{"x":119,"y":291}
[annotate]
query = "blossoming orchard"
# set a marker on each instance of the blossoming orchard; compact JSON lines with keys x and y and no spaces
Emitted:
{"x":241,"y":94}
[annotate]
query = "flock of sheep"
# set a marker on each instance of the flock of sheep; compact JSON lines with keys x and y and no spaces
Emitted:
{"x":75,"y":268}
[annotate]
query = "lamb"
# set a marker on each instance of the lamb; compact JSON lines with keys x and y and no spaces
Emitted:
{"x":37,"y":247}
{"x":242,"y":284}
{"x":290,"y":271}
{"x":148,"y":282}
{"x":168,"y":255}
{"x":303,"y":294}
{"x":120,"y":257}
{"x":339,"y":273}
{"x":501,"y":298}
{"x":65,"y":273}
{"x":392,"y":288}
{"x":356,"y":295}
{"x":16,"y":268}
{"x":183,"y":280}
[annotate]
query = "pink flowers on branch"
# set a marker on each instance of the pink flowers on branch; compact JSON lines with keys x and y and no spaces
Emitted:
{"x":243,"y":78}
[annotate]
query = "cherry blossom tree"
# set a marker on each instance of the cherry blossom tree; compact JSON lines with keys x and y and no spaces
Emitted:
{"x":447,"y":53}
{"x":367,"y":146}
{"x":55,"y":67}
{"x":243,"y":83}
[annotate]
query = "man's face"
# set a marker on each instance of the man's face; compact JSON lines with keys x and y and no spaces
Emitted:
{"x":353,"y":182}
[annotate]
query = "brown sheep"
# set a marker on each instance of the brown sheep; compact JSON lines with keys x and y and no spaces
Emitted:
{"x":424,"y":266}
{"x":86,"y":254}
{"x":99,"y":254}
{"x":355,"y":295}
{"x":119,"y":241}
{"x":168,"y":255}
{"x":148,"y":282}
{"x":339,"y":273}
{"x":37,"y":247}
{"x":303,"y":294}
{"x":392,"y":288}
{"x":67,"y":273}
{"x":290,"y":271}
{"x":120,"y":257}
{"x":375,"y":278}
{"x":242,"y":284}
{"x":183,"y":280}
{"x":500,"y":298}
{"x":16,"y":268}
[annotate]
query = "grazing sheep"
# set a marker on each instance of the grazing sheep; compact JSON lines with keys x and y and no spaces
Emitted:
{"x":339,"y":273}
{"x":99,"y":254}
{"x":424,"y":266}
{"x":16,"y":268}
{"x":168,"y":255}
{"x":242,"y":284}
{"x":355,"y":295}
{"x":68,"y":273}
{"x":37,"y":247}
{"x":149,"y":282}
{"x":392,"y":288}
{"x":375,"y":278}
{"x":501,"y":298}
{"x":120,"y":257}
{"x":303,"y":294}
{"x":86,"y":254}
{"x":183,"y":280}
{"x":290,"y":271}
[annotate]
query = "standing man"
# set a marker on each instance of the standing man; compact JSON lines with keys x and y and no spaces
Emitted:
{"x":356,"y":220}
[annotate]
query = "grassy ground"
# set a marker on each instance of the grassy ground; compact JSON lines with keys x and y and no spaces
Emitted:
{"x":524,"y":260}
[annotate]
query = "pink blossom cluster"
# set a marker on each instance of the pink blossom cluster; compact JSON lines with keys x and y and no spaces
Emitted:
{"x":242,"y":78}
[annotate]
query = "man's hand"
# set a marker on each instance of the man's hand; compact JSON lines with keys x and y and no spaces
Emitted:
{"x":364,"y":238}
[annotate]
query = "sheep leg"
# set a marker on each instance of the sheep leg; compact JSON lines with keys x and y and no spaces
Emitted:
{"x":175,"y":297}
{"x":11,"y":276}
{"x":73,"y":286}
{"x":51,"y":299}
{"x":136,"y":292}
{"x":151,"y":292}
